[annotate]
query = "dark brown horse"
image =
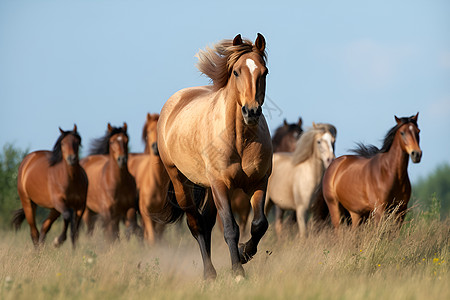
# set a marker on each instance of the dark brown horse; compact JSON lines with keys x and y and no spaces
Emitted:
{"x":375,"y":180}
{"x":53,"y":180}
{"x":216,"y":137}
{"x":112,"y":189}
{"x":152,"y":180}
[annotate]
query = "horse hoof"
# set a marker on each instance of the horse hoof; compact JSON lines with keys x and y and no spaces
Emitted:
{"x":243,"y":255}
{"x":239,"y":278}
{"x":56,"y":243}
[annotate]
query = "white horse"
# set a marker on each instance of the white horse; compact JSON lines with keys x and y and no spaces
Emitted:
{"x":295,"y":176}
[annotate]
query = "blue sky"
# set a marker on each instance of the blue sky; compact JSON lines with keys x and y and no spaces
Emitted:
{"x":354,"y":64}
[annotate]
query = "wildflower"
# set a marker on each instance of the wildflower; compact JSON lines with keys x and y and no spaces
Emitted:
{"x":379,"y":265}
{"x":58,"y":274}
{"x":360,"y":250}
{"x":8,"y":279}
{"x":435,"y":260}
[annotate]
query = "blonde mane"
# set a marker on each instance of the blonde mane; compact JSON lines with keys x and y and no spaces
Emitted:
{"x":217,"y":62}
{"x":305,"y":146}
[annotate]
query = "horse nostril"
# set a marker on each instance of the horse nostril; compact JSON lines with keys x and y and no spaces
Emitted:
{"x":244,"y":110}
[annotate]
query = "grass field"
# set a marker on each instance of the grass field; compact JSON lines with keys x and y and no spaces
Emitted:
{"x":369,"y":263}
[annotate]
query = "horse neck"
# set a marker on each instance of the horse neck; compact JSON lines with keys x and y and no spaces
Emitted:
{"x":234,"y":119}
{"x":396,"y":159}
{"x":114,"y":172}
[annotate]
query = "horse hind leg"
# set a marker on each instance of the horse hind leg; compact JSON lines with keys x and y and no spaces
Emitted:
{"x":52,"y":216}
{"x":29,"y":209}
{"x":75,"y":226}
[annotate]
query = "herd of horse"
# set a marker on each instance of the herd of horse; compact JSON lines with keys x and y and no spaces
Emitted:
{"x":209,"y":155}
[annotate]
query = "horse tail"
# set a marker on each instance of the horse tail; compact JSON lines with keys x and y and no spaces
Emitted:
{"x":17,"y":219}
{"x":171,"y":211}
{"x":319,"y":209}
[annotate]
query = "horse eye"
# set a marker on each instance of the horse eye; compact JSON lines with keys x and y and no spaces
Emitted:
{"x":235,"y":73}
{"x":402,"y":133}
{"x":318,"y":142}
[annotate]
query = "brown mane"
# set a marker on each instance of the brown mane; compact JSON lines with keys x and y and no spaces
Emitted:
{"x":217,"y":62}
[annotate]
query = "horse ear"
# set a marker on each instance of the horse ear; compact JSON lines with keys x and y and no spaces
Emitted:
{"x":397,"y":120}
{"x":74,"y":128}
{"x":285,"y":123}
{"x":125,"y":126}
{"x":314,"y":125}
{"x":237,"y":40}
{"x":300,"y":122}
{"x":416,"y":117}
{"x":60,"y":130}
{"x":149,"y":117}
{"x":260,"y":43}
{"x":109,"y":127}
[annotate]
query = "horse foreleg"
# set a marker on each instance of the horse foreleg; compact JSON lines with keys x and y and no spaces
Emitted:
{"x":279,"y":213}
{"x":68,"y":218}
{"x":147,"y":224}
{"x":131,"y":224}
{"x":301,"y":220}
{"x":52,"y":216}
{"x":183,"y":192}
{"x":75,"y":226}
{"x":89,"y":219}
{"x":231,"y":228}
{"x":259,"y":225}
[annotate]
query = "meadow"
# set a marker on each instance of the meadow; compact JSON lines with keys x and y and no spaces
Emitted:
{"x":372,"y":262}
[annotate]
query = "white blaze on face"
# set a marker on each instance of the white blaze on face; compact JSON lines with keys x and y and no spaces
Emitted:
{"x":251,"y":65}
{"x":328,"y":138}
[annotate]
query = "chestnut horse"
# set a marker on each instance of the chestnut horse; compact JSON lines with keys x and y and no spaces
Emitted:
{"x":284,"y":140}
{"x":295,"y":176}
{"x":54,"y":180}
{"x":216,"y":137}
{"x":375,"y":180}
{"x":152,"y":180}
{"x":112,"y":189}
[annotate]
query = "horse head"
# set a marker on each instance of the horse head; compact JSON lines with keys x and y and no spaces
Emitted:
{"x":409,"y":133}
{"x":248,"y":77}
{"x":118,"y":144}
{"x":149,"y":135}
{"x":324,"y":144}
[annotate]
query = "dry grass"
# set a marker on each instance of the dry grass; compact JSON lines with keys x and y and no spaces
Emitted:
{"x":369,"y":263}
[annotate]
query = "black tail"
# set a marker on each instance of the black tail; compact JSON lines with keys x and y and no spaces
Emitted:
{"x":172,"y":212}
{"x":319,"y":209}
{"x":17,"y":219}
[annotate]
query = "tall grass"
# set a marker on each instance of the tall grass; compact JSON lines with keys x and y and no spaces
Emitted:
{"x":372,"y":262}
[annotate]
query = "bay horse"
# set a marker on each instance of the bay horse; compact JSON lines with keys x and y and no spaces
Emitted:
{"x":54,"y":180}
{"x":295,"y":176}
{"x":216,"y":137}
{"x":112,"y":189}
{"x":284,"y":140}
{"x":374,"y":180}
{"x":152,"y":180}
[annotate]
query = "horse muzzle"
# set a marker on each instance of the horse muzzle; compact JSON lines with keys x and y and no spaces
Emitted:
{"x":416,"y":156}
{"x":251,"y":115}
{"x":72,"y":160}
{"x":155,"y":148}
{"x":122,"y":160}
